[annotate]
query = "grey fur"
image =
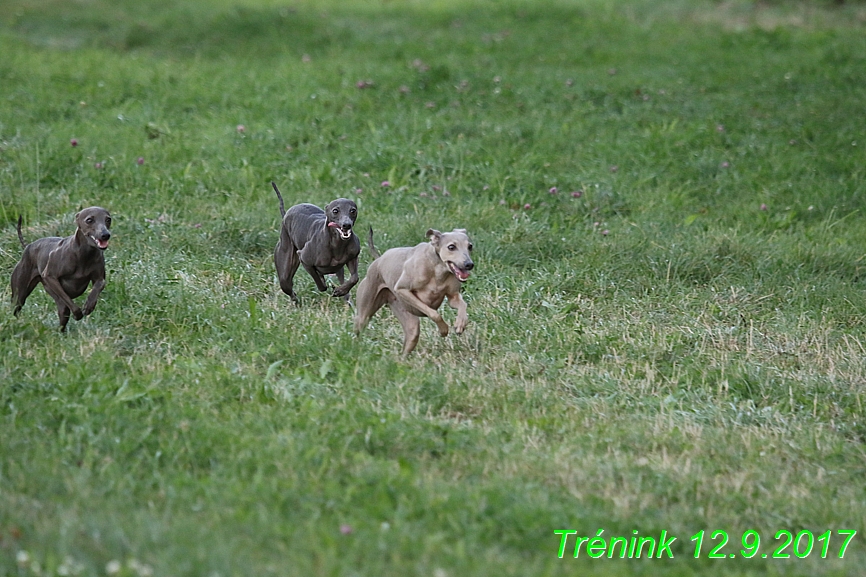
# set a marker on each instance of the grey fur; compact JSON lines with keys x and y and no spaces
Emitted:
{"x":65,"y":266}
{"x":322,"y":241}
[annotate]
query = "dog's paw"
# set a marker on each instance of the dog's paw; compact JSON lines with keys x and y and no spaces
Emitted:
{"x":340,"y":292}
{"x":459,"y":326}
{"x":77,"y":314}
{"x":443,"y":329}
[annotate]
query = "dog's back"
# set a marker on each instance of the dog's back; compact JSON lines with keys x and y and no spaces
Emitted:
{"x":302,"y":221}
{"x":36,"y":253}
{"x":392,"y":262}
{"x":305,"y":209}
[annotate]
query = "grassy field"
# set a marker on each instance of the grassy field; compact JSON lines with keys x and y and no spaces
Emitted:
{"x":667,"y":315}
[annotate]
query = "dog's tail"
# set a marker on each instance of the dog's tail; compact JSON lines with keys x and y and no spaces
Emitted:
{"x":370,"y":246}
{"x":282,"y":206}
{"x":21,"y":236}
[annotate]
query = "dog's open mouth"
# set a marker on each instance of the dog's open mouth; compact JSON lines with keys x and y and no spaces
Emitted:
{"x":462,"y":275}
{"x":102,"y":244}
{"x":344,"y":234}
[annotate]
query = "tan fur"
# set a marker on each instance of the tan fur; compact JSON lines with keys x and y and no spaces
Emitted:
{"x":413,"y":282}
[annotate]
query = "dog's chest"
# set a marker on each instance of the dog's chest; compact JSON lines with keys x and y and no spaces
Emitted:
{"x":74,"y":286}
{"x":327,"y":261}
{"x":431,"y":297}
{"x":434,"y":293}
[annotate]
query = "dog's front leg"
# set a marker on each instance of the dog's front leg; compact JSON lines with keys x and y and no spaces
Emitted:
{"x":408,"y":297}
{"x":344,"y":288}
{"x":318,"y":277}
{"x":90,"y":303}
{"x":53,"y":288}
{"x":63,"y":314}
{"x":455,"y":301}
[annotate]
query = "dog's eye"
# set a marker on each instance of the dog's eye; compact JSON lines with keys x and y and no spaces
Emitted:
{"x":452,"y":247}
{"x":89,"y":220}
{"x":353,"y":211}
{"x":470,"y":248}
{"x":336,"y":211}
{"x":107,"y":222}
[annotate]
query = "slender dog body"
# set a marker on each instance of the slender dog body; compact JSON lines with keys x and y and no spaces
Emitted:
{"x":414,"y":281}
{"x":65,"y":266}
{"x":321,"y":240}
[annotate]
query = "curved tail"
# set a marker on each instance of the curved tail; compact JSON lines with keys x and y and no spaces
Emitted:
{"x":282,"y":206}
{"x":370,"y":246}
{"x":21,"y":236}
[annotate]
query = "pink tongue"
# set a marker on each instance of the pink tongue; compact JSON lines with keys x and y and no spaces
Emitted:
{"x":340,"y":230}
{"x":102,"y":243}
{"x":460,"y":274}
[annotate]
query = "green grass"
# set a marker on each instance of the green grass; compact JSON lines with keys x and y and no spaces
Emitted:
{"x":682,"y":347}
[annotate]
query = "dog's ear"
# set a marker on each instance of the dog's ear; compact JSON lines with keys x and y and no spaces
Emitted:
{"x":461,"y":231}
{"x":435,"y":236}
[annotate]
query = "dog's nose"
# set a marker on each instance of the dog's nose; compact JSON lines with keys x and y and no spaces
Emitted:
{"x":469,"y":265}
{"x":347,"y":226}
{"x":105,"y":235}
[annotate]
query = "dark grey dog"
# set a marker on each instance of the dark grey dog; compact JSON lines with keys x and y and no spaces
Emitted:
{"x":322,"y":241}
{"x":65,"y":266}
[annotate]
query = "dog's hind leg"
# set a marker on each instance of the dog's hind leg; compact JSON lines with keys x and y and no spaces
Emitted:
{"x":287,"y":261}
{"x":411,"y":325}
{"x":21,"y":288}
{"x":368,"y":303}
{"x":20,"y":297}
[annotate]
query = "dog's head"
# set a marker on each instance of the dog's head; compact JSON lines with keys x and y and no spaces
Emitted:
{"x":94,"y":223}
{"x":341,"y":215}
{"x":455,"y":250}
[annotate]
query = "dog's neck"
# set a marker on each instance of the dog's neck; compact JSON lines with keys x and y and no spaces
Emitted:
{"x":82,"y":242}
{"x":436,"y":257}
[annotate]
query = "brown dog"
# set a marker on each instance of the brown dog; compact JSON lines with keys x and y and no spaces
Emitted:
{"x":65,"y":266}
{"x":413,"y":282}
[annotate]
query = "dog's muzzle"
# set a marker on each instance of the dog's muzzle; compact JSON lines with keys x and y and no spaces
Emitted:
{"x":345,"y":230}
{"x":461,"y":272}
{"x":102,"y":241}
